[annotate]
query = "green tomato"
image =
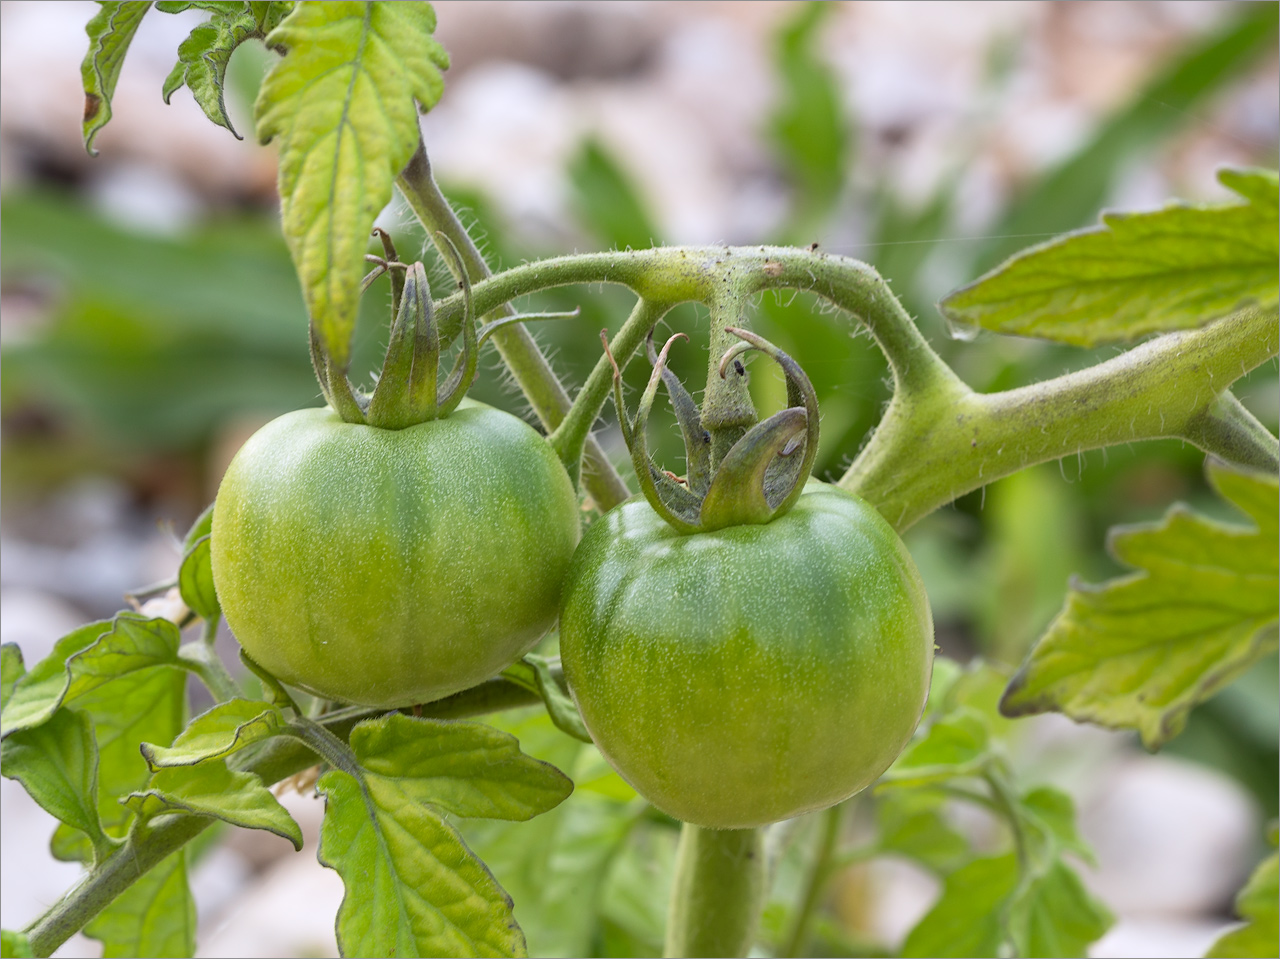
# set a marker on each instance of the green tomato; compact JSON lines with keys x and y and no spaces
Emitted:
{"x":391,"y":567}
{"x":751,"y":674}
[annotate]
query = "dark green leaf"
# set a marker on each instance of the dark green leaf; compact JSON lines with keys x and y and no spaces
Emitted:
{"x":1054,"y":915}
{"x":809,"y":127}
{"x":1140,"y":651}
{"x":11,"y":670}
{"x":607,"y":201}
{"x":341,"y":105}
{"x":155,"y":916}
{"x":216,"y":734}
{"x":412,"y":887}
{"x":1257,"y":905}
{"x":467,"y":769}
{"x":57,"y":763}
{"x":15,"y":944}
{"x":1139,"y":273}
{"x":195,"y":581}
{"x":211,"y":789}
{"x":966,"y":919}
{"x":110,"y":32}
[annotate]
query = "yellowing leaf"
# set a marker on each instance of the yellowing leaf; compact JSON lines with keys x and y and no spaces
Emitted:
{"x":1140,"y":651}
{"x":342,"y":105}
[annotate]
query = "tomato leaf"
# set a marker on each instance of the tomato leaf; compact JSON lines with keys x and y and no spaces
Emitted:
{"x":211,"y":789}
{"x":1257,"y":905}
{"x":556,"y":867}
{"x":201,"y":528}
{"x":467,"y":769}
{"x":34,"y":696}
{"x":912,"y":823}
{"x":110,"y":32}
{"x":1139,"y":273}
{"x":1138,"y":652}
{"x":204,"y":55}
{"x":535,"y":674}
{"x":15,"y":944}
{"x":216,"y":734}
{"x":413,"y":888}
{"x":1054,"y":915}
{"x":966,"y":919}
{"x":12,"y":669}
{"x":155,"y":916}
{"x":342,"y":105}
{"x":57,"y":764}
{"x":195,"y":581}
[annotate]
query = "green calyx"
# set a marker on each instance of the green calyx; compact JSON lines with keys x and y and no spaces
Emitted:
{"x":761,"y":475}
{"x":409,"y":388}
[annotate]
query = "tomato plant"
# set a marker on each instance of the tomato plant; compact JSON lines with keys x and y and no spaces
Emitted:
{"x":746,"y":645}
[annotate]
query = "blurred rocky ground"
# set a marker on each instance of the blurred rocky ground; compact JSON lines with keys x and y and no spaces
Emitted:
{"x":977,"y":99}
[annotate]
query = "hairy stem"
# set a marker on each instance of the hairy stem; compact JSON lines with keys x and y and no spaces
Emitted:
{"x":571,"y":435}
{"x":927,"y":452}
{"x":515,"y":344}
{"x":718,"y":892}
{"x":273,"y":760}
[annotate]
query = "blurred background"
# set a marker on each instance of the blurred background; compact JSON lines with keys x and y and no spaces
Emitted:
{"x":152,"y":321}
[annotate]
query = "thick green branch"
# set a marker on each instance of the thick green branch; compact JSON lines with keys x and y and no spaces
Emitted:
{"x":925,"y":454}
{"x":718,"y":893}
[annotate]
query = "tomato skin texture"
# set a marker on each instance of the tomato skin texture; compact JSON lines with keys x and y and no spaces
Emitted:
{"x":754,"y":673}
{"x":391,"y":567}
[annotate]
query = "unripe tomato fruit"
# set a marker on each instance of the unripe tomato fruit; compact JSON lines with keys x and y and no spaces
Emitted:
{"x":391,"y":567}
{"x":751,"y":674}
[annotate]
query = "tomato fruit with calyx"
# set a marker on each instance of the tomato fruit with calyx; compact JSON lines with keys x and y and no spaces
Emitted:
{"x":753,"y":673}
{"x":387,"y":567}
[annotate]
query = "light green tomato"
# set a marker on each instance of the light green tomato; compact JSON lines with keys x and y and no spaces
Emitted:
{"x":754,"y":673}
{"x":391,"y":567}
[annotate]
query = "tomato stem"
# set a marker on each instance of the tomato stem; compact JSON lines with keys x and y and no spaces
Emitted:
{"x":718,"y":893}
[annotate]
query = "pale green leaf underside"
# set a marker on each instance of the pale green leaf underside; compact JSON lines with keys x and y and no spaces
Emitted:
{"x":155,"y":916}
{"x":110,"y":32}
{"x":467,"y":769}
{"x":1257,"y":904}
{"x":216,"y":734}
{"x":1173,"y":269}
{"x":1140,"y":651}
{"x":211,"y":789}
{"x":12,"y":669}
{"x":412,"y":887}
{"x":342,"y":106}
